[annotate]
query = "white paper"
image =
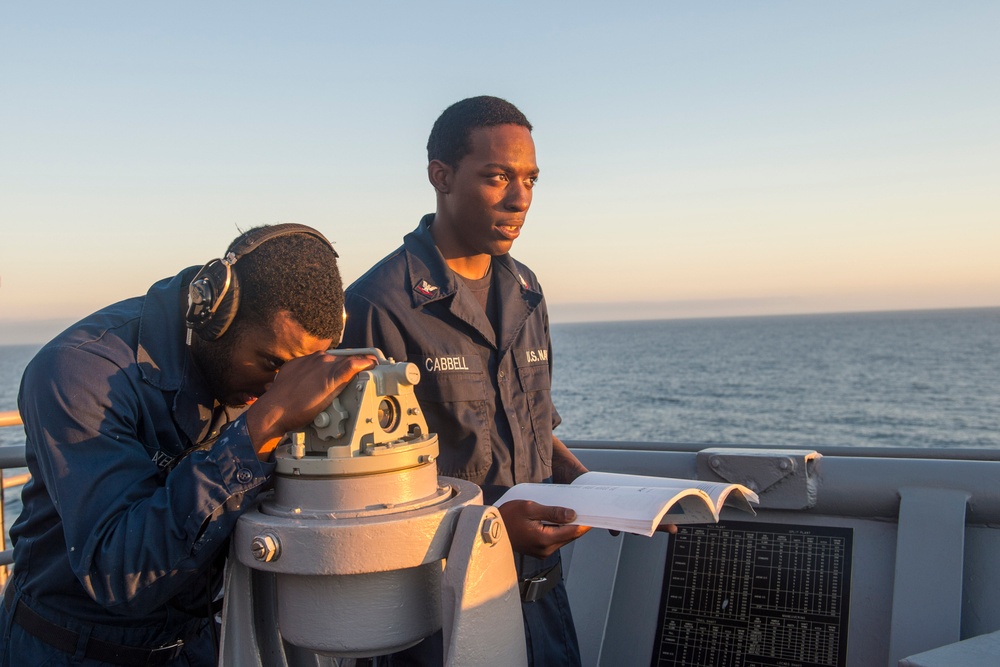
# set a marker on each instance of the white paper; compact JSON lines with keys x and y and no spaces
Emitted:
{"x":636,"y":503}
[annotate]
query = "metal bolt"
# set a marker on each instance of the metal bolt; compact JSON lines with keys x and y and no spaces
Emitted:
{"x":492,"y":530}
{"x":715,"y":462}
{"x":298,"y":448}
{"x":783,"y":465}
{"x":265,"y":548}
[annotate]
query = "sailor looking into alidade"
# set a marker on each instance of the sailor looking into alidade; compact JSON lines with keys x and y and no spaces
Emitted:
{"x":149,"y":428}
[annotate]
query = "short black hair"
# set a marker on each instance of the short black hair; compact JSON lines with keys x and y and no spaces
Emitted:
{"x":449,"y":141}
{"x":297,"y":273}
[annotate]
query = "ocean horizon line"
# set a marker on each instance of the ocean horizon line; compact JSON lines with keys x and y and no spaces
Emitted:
{"x":657,"y":312}
{"x":41,"y":330}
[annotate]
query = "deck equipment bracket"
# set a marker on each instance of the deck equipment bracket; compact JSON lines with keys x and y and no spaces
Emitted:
{"x":783,"y":478}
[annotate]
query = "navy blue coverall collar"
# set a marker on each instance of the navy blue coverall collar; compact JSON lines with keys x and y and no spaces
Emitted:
{"x":165,"y":360}
{"x":431,"y":280}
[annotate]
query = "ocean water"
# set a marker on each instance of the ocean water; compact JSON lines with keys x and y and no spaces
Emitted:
{"x":913,"y":379}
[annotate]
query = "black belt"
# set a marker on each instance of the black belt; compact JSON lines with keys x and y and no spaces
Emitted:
{"x":535,"y":588}
{"x":67,"y":640}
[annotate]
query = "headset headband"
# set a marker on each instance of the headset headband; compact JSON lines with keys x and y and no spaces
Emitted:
{"x":253,"y":239}
{"x":213,"y":295}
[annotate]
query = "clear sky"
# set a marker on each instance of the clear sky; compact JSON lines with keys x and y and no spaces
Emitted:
{"x":697,"y":159}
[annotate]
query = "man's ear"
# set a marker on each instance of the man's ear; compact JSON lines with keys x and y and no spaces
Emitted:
{"x":440,"y":175}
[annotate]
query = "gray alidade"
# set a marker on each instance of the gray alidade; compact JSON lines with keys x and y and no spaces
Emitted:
{"x":361,"y":549}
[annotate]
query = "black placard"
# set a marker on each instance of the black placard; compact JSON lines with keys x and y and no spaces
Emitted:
{"x":747,"y":594}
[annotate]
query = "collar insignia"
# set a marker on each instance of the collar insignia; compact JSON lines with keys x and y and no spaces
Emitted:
{"x":426,"y":288}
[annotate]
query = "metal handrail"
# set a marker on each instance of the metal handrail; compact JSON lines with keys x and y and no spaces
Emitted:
{"x":10,"y":457}
{"x":10,"y":418}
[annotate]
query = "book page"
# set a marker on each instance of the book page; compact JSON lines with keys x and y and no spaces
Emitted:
{"x":635,"y":509}
{"x":721,"y":493}
{"x":636,"y":503}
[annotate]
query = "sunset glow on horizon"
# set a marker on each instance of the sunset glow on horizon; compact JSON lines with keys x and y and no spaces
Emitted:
{"x":695,"y":160}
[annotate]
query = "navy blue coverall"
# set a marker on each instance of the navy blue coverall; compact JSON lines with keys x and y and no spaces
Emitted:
{"x":133,"y":490}
{"x":485,"y":393}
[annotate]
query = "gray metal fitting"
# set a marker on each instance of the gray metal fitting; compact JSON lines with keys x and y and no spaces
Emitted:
{"x":298,"y":448}
{"x":265,"y":547}
{"x":492,"y":530}
{"x":784,"y":478}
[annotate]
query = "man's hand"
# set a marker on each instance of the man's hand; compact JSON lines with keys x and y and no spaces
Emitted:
{"x":300,"y":391}
{"x":528,"y":525}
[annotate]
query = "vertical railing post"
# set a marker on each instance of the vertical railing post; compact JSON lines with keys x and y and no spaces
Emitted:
{"x":11,"y":418}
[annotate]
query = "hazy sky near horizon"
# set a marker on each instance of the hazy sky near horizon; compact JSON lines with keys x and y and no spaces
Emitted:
{"x":697,"y":159}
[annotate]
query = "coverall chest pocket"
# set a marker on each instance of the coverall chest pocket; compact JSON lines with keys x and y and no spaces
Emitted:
{"x":453,"y":395}
{"x":537,"y":388}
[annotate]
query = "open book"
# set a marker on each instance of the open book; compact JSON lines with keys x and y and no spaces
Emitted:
{"x":636,"y":503}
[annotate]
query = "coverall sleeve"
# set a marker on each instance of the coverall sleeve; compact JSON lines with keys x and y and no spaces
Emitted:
{"x":134,"y":539}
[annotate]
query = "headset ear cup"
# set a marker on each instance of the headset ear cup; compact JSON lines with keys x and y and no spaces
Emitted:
{"x":207,"y":293}
{"x":214,"y":294}
{"x":224,"y":315}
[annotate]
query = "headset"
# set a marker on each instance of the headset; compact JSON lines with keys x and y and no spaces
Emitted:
{"x":214,"y":293}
